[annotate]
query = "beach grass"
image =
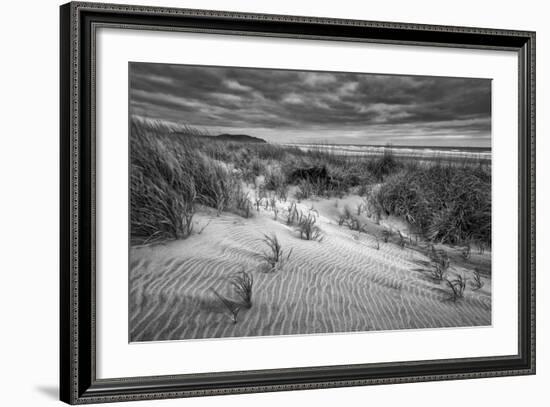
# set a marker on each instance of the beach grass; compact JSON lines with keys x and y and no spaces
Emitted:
{"x":174,"y":173}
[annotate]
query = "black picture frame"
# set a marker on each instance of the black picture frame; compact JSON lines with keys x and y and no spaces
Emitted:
{"x":78,"y":382}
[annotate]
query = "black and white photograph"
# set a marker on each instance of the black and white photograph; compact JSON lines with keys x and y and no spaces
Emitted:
{"x":284,"y":202}
{"x":289,"y":203}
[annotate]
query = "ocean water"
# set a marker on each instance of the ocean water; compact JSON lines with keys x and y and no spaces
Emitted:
{"x":420,"y":152}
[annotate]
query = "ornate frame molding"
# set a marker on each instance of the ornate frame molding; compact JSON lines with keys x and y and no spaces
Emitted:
{"x":77,"y":249}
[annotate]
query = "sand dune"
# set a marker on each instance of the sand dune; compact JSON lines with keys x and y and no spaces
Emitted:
{"x":341,"y":284}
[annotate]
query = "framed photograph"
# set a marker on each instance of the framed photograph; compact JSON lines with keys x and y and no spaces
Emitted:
{"x":255,"y":203}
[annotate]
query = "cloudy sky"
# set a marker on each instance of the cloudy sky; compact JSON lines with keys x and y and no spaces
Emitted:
{"x":304,"y":106}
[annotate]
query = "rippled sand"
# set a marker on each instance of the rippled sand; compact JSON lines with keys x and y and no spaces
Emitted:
{"x":341,"y":284}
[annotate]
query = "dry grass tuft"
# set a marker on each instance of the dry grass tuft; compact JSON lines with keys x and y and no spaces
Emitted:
{"x":231,"y":305}
{"x":275,"y":256}
{"x":347,"y":218}
{"x":308,"y":229}
{"x":243,"y":204}
{"x":466,"y":252}
{"x":477,"y":283}
{"x":242,"y":285}
{"x":457,"y":286}
{"x":440,"y":263}
{"x":292,"y":213}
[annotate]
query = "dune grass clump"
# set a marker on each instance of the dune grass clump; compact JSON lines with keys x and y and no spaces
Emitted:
{"x":162,"y":200}
{"x":376,"y":242}
{"x":353,"y":223}
{"x":477,"y":283}
{"x":448,"y":203}
{"x":203,"y":226}
{"x":275,"y":256}
{"x":275,"y":180}
{"x":349,"y":219}
{"x":171,"y":174}
{"x":306,"y":190}
{"x":231,"y":305}
{"x":243,"y":205}
{"x":158,"y":212}
{"x":370,"y":205}
{"x":273,"y":206}
{"x":272,"y":202}
{"x":385,"y":165}
{"x":440,"y":263}
{"x":481,"y":246}
{"x":282,"y":193}
{"x":292,"y":213}
{"x":252,"y":167}
{"x":258,"y":202}
{"x":386,"y":235}
{"x":457,"y":287}
{"x":344,"y":216}
{"x":466,"y":252}
{"x":187,"y":221}
{"x":438,"y":272}
{"x":242,"y":286}
{"x":308,"y":229}
{"x":241,"y":283}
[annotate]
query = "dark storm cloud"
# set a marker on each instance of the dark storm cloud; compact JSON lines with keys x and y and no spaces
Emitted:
{"x":307,"y":106}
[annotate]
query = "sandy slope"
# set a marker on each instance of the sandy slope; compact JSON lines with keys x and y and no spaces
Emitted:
{"x":341,"y":284}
